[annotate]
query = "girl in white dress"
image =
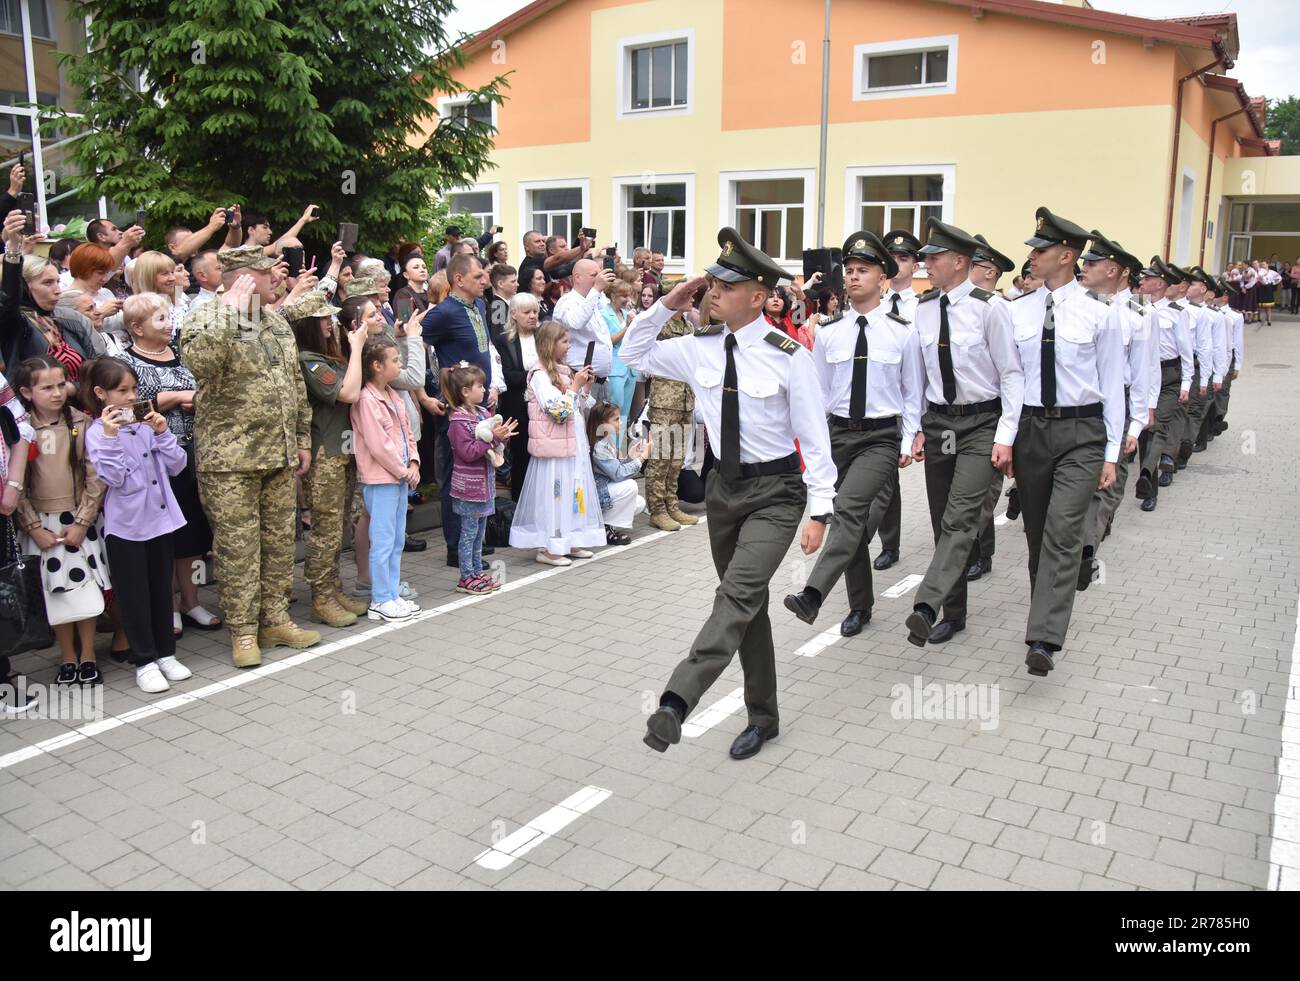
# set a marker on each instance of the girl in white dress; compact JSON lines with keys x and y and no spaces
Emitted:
{"x":558,"y":511}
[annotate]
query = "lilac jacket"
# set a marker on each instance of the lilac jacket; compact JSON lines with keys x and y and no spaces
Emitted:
{"x":139,"y":504}
{"x":471,"y":472}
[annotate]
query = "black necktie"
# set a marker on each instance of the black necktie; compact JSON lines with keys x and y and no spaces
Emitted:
{"x":894,"y":303}
{"x":858,"y":395}
{"x":730,"y":413}
{"x":1047,"y":358}
{"x":945,"y":355}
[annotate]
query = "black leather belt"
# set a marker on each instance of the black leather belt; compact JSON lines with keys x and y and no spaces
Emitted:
{"x":601,"y":381}
{"x":1172,"y":363}
{"x":772,"y":468}
{"x":972,"y":409}
{"x":839,"y":422}
{"x":1064,"y":411}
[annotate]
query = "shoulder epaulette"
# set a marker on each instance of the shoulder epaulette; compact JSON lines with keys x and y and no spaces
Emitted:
{"x":787,"y":344}
{"x":1136,"y":303}
{"x":981,"y":294}
{"x":1174,"y":305}
{"x":709,"y":330}
{"x":1023,"y":295}
{"x":899,"y":319}
{"x":1093,"y":294}
{"x":834,"y":320}
{"x":929,"y":294}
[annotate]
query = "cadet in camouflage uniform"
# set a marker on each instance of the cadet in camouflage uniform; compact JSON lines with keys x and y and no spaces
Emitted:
{"x":672,"y":413}
{"x":330,"y":482}
{"x":252,"y":432}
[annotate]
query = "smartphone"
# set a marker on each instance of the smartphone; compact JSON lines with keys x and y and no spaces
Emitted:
{"x":609,"y":263}
{"x":404,"y":308}
{"x":22,"y":160}
{"x":591,"y":353}
{"x":230,"y":216}
{"x":588,"y":233}
{"x":315,"y":211}
{"x":293,"y":256}
{"x":347,"y":234}
{"x":612,"y":251}
{"x":27,"y":205}
{"x":138,"y":409}
{"x":139,"y":218}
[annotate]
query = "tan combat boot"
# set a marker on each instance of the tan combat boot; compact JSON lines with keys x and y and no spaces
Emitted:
{"x":326,"y":609}
{"x":664,"y":523}
{"x":244,"y":650}
{"x":287,"y":634}
{"x":357,"y":607}
{"x":681,"y":517}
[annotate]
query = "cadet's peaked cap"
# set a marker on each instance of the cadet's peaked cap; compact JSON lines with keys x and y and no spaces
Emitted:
{"x":986,"y":253}
{"x":902,"y":242}
{"x":249,"y":257}
{"x":1026,"y":270}
{"x":309,"y":304}
{"x":1104,"y":248}
{"x":947,"y":238}
{"x":361,"y":286}
{"x":1198,"y":275}
{"x":740,"y":262}
{"x":1051,"y":230}
{"x":867,"y":247}
{"x":1160,"y":269}
{"x":1227,"y":285}
{"x":1183,"y":275}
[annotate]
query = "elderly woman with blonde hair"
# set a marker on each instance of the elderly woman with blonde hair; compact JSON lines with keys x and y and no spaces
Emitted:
{"x":155,"y":272}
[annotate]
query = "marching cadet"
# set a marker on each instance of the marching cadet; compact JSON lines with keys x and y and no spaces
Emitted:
{"x":252,"y":430}
{"x":1107,"y":272}
{"x":1236,"y":351}
{"x":1173,"y":344}
{"x":986,"y":267}
{"x":1070,"y":427}
{"x":1207,"y":379}
{"x":900,"y":300}
{"x":974,"y":387}
{"x":1221,"y":345}
{"x":869,"y":363}
{"x":755,"y":388}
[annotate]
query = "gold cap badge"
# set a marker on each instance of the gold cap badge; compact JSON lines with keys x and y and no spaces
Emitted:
{"x":860,"y":244}
{"x":726,"y":249}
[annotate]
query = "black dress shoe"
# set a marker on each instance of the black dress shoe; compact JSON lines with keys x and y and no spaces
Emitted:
{"x":1039,"y":659}
{"x":944,"y":630}
{"x":1165,"y":479}
{"x":1200,"y":446}
{"x":1149,"y":504}
{"x":1222,"y":426}
{"x":919,"y":623}
{"x":1180,"y":466}
{"x":1013,"y":504}
{"x":750,"y":742}
{"x":414,"y":544}
{"x":663,"y":728}
{"x":1144,"y":484}
{"x":453,"y":560}
{"x":885,"y":559}
{"x":1184,"y":449}
{"x":489,"y":549}
{"x":854,"y":622}
{"x":1166,"y":464}
{"x":804,"y":605}
{"x":1087,"y":568}
{"x":974,"y":571}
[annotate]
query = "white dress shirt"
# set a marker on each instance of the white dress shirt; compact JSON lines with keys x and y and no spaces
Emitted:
{"x":985,"y":359}
{"x":1199,"y":317}
{"x":895,"y":377}
{"x":906,"y":301}
{"x":1173,"y":338}
{"x":1133,"y":317}
{"x":581,"y":314}
{"x":780,"y":397}
{"x":1089,"y":354}
{"x":1237,"y":321}
{"x":1220,"y":330}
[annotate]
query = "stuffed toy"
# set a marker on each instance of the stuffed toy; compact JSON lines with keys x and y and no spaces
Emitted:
{"x":484,"y":432}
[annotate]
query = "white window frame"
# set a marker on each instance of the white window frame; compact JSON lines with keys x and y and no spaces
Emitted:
{"x":623,"y":73}
{"x":49,"y":19}
{"x":909,"y":46}
{"x":853,"y":201}
{"x":727,"y":181}
{"x":493,"y":189}
{"x":447,"y":103}
{"x":527,"y":187}
{"x":621,"y":223}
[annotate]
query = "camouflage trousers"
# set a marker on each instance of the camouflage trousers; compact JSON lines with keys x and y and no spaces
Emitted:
{"x":252,"y":514}
{"x":328,"y":486}
{"x":668,"y":428}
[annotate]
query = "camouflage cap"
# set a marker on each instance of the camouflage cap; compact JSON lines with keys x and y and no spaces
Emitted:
{"x":361,"y":286}
{"x":310,"y":304}
{"x":250,"y":257}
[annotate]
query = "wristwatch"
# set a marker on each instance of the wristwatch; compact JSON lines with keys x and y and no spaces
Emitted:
{"x":824,"y":519}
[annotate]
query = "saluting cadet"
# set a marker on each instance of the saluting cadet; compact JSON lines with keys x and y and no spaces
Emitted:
{"x":899,"y":299}
{"x":869,"y":365}
{"x":1107,"y":269}
{"x":974,"y":387}
{"x":756,"y":390}
{"x":986,"y":267}
{"x":1173,"y":352}
{"x":1202,"y":320}
{"x":1236,"y":332}
{"x":1070,"y":428}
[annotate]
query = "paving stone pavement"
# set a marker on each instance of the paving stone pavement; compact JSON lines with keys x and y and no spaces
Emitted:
{"x":1149,"y":759}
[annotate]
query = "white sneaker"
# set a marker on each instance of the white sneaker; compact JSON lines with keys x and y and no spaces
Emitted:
{"x":389,"y":610}
{"x":412,"y":607}
{"x":404,"y":591}
{"x":173,"y":670}
{"x":149,"y":678}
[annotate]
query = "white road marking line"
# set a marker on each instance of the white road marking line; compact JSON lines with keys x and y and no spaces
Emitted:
{"x":246,"y":677}
{"x":721,"y":709}
{"x":544,"y":826}
{"x":904,"y":585}
{"x":1284,"y":854}
{"x":819,"y":643}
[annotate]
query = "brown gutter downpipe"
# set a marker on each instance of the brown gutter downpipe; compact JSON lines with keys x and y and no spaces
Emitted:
{"x":1178,"y":132}
{"x":1209,"y":170}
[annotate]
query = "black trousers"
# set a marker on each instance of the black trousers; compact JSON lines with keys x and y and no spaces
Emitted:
{"x":142,"y":590}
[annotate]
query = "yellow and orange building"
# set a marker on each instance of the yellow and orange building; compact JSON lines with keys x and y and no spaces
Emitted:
{"x":658,"y":122}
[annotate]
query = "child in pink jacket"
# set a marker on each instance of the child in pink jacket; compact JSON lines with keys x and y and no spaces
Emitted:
{"x":387,"y":464}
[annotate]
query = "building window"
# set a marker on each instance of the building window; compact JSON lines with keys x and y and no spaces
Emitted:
{"x":656,"y":74}
{"x":556,"y":211}
{"x":476,"y":204}
{"x":770,"y":214}
{"x":900,"y":201}
{"x":11,"y":18}
{"x":656,"y":219}
{"x":459,"y":110}
{"x":919,"y":66}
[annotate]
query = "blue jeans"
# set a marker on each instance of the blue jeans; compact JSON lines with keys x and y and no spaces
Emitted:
{"x":470,"y":547}
{"x":386,"y":505}
{"x":450,"y":519}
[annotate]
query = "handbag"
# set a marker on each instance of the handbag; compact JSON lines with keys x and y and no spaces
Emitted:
{"x":23,"y":623}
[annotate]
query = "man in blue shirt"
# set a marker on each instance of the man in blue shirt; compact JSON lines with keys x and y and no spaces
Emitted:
{"x":457,"y":331}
